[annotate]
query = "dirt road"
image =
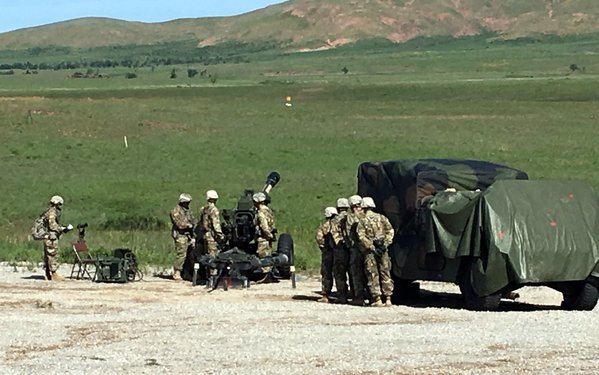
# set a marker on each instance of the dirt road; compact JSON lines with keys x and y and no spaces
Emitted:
{"x":158,"y":326}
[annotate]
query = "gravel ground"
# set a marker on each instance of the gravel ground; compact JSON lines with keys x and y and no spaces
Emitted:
{"x":160,"y":326}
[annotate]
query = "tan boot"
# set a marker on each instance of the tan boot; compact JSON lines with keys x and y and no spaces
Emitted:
{"x":324,"y":299}
{"x":377,"y":302}
{"x":177,"y":275}
{"x":388,"y":302}
{"x":57,"y":277}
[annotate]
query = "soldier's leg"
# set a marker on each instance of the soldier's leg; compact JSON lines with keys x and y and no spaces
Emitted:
{"x":340,"y":268}
{"x":181,"y":244}
{"x":385,"y":277}
{"x":372,"y":275}
{"x":326,"y":270}
{"x":51,"y":259}
{"x":264,"y":251}
{"x":211,"y":250}
{"x":356,"y":269}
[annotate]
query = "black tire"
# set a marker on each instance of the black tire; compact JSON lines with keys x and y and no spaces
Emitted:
{"x":582,"y":297}
{"x":473,"y":300}
{"x":285,"y":246}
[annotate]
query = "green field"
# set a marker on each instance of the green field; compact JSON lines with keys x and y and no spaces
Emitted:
{"x":510,"y":103}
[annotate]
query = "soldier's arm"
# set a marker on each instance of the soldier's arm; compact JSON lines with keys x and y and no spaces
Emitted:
{"x":361,"y":231}
{"x":216,"y":224}
{"x":179,"y":220}
{"x":53,"y":224}
{"x":266,"y":233}
{"x":389,"y":232}
{"x":320,"y":237}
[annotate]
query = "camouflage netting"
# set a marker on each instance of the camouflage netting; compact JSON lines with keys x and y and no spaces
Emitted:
{"x":521,"y":231}
{"x":399,"y":186}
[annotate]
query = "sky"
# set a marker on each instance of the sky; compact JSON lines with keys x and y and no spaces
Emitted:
{"x":21,"y":14}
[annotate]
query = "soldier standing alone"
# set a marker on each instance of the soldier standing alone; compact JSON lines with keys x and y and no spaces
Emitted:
{"x":265,"y":230}
{"x":182,"y":232}
{"x":326,"y":244}
{"x":210,"y":219}
{"x":50,"y":240}
{"x":375,"y":233}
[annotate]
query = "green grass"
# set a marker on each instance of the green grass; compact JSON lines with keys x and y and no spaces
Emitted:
{"x":191,"y":135}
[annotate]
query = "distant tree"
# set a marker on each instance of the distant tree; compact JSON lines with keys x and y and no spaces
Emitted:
{"x":345,"y":70}
{"x":174,"y":73}
{"x":574,"y":67}
{"x":213,"y":78}
{"x":130,"y":75}
{"x":191,"y":73}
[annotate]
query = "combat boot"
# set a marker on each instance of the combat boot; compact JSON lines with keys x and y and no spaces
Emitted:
{"x":377,"y":302}
{"x":388,"y":302}
{"x":56,"y":277}
{"x":357,"y":301}
{"x":324,"y":299}
{"x":342,"y":298}
{"x":177,"y":275}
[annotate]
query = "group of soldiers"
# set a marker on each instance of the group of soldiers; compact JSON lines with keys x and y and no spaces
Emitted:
{"x":354,"y":241}
{"x":210,"y":231}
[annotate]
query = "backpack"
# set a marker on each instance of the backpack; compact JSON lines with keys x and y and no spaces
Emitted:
{"x":39,"y":228}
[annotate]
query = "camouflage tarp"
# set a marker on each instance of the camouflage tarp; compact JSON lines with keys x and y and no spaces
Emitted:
{"x":399,"y":186}
{"x":521,"y":231}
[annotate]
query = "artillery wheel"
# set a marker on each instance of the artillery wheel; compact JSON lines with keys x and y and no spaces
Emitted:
{"x":285,"y":246}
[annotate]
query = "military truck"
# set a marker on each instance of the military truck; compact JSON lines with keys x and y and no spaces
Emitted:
{"x":487,"y":228}
{"x":238,"y":251}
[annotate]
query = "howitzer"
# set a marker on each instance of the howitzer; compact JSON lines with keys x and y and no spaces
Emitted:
{"x":236,"y":268}
{"x":239,"y":229}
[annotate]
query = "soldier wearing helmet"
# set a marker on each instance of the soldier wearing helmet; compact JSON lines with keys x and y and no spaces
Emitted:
{"x":265,"y":229}
{"x":356,"y":258}
{"x":182,"y":232}
{"x":211,"y":226}
{"x":375,"y":234}
{"x":341,"y":250}
{"x":53,"y":232}
{"x":325,"y":238}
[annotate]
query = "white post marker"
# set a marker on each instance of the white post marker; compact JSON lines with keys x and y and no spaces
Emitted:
{"x":126,"y":144}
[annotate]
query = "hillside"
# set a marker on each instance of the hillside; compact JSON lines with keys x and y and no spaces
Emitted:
{"x":304,"y":25}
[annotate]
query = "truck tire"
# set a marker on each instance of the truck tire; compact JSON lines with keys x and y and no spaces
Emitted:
{"x":473,"y":300}
{"x":583,"y":297}
{"x":285,"y":246}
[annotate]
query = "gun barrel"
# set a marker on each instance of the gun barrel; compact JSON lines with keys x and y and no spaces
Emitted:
{"x":271,"y":181}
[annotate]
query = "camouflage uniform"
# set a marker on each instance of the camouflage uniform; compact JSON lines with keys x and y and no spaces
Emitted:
{"x":182,"y":233}
{"x":356,"y":257}
{"x":340,"y":254}
{"x":210,"y":219}
{"x":374,"y":227}
{"x":50,"y":240}
{"x":265,"y":224}
{"x":326,"y":243}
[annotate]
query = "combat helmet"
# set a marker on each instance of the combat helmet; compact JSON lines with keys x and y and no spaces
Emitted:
{"x":355,"y":200}
{"x":259,"y":197}
{"x":211,"y":194}
{"x":368,"y":202}
{"x":329,"y":212}
{"x":184,"y":197}
{"x":56,"y":199}
{"x":342,"y":203}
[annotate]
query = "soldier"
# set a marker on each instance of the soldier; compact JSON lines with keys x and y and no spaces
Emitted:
{"x":182,"y":232}
{"x":356,"y":258}
{"x":326,"y":244}
{"x":376,"y":234}
{"x":210,"y":219}
{"x":341,"y":251}
{"x":265,"y":230}
{"x":50,"y":240}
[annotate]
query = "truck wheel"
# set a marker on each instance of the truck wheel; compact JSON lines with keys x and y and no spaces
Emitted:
{"x":285,"y":246}
{"x":473,"y":300}
{"x":583,"y":297}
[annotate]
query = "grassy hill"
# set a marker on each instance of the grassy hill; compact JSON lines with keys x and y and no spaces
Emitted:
{"x":306,"y":25}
